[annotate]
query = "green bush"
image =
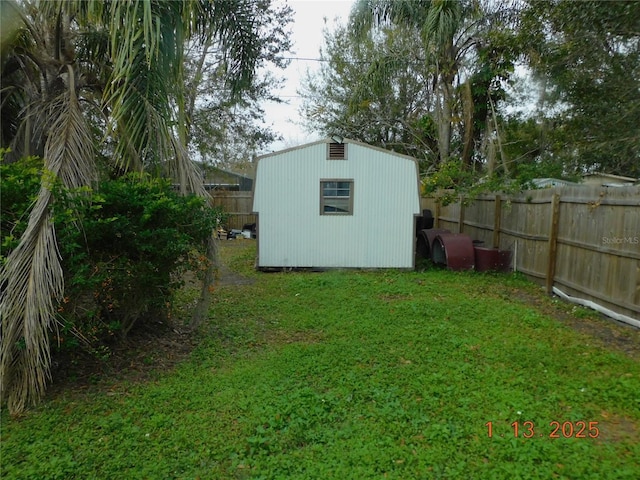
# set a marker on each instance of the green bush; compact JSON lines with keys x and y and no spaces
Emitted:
{"x":20,"y":184}
{"x":125,"y":247}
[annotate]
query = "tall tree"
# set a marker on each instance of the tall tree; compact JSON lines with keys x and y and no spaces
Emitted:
{"x":77,"y":73}
{"x":440,"y":63}
{"x":227,"y":129}
{"x":346,"y":97}
{"x":447,"y":29}
{"x":586,"y":56}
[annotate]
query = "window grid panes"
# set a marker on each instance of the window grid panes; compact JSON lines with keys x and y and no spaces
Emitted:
{"x":336,"y":197}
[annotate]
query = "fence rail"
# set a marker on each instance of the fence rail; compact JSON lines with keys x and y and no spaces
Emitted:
{"x":583,"y":240}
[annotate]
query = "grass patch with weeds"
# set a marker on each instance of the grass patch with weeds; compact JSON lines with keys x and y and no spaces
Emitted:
{"x":353,"y":375}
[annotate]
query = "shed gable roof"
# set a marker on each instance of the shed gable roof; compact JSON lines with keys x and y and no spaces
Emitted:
{"x":328,"y":140}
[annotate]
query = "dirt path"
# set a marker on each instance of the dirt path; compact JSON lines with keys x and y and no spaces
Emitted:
{"x":226,"y":276}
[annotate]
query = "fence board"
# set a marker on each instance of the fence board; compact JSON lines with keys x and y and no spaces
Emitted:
{"x":238,"y":205}
{"x":597,"y":244}
{"x":553,"y":242}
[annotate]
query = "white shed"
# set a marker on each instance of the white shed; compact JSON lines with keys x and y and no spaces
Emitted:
{"x":328,"y":204}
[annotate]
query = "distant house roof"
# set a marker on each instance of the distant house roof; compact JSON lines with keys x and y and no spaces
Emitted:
{"x":551,"y":182}
{"x":216,"y":178}
{"x":607,"y":179}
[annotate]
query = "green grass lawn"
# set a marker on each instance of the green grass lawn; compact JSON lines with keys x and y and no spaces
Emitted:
{"x":355,"y":375}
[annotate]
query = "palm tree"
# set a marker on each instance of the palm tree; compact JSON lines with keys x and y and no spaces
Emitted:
{"x":447,"y":29}
{"x":83,"y":73}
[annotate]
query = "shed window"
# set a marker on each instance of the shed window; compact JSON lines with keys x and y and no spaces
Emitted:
{"x":336,"y":197}
{"x":336,"y":151}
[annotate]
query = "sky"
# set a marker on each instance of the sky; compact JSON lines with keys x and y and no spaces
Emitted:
{"x":309,"y":21}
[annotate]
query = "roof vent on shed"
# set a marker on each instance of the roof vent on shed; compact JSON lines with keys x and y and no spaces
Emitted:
{"x":337,"y":151}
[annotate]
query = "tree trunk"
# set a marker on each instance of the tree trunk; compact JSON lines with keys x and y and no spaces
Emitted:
{"x":443,"y":113}
{"x":503,"y":157}
{"x":197,"y":80}
{"x":467,"y":104}
{"x":201,"y":310}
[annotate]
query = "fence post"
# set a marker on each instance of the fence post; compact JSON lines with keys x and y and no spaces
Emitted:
{"x":553,"y":241}
{"x":436,"y":222}
{"x":497,"y":216}
{"x":461,"y":217}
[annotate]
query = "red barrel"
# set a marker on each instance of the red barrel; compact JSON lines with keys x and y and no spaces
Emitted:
{"x":425,"y":239}
{"x":453,"y":250}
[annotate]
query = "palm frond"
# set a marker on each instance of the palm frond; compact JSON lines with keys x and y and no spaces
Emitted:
{"x":32,"y":277}
{"x":186,"y":172}
{"x":442,"y":22}
{"x":69,"y":148}
{"x":142,"y":83}
{"x":368,"y":14}
{"x":146,"y":89}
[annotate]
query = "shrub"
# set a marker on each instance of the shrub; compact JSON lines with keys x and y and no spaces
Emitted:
{"x":125,"y":249}
{"x":20,"y":184}
{"x":124,"y":246}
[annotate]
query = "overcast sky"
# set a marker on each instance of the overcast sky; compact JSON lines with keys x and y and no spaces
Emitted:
{"x":309,"y":21}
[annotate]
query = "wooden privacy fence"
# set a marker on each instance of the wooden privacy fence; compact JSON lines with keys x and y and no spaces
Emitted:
{"x":238,"y":205}
{"x":584,"y":241}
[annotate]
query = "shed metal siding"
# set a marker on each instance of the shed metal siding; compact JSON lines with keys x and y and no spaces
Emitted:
{"x":380,"y":232}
